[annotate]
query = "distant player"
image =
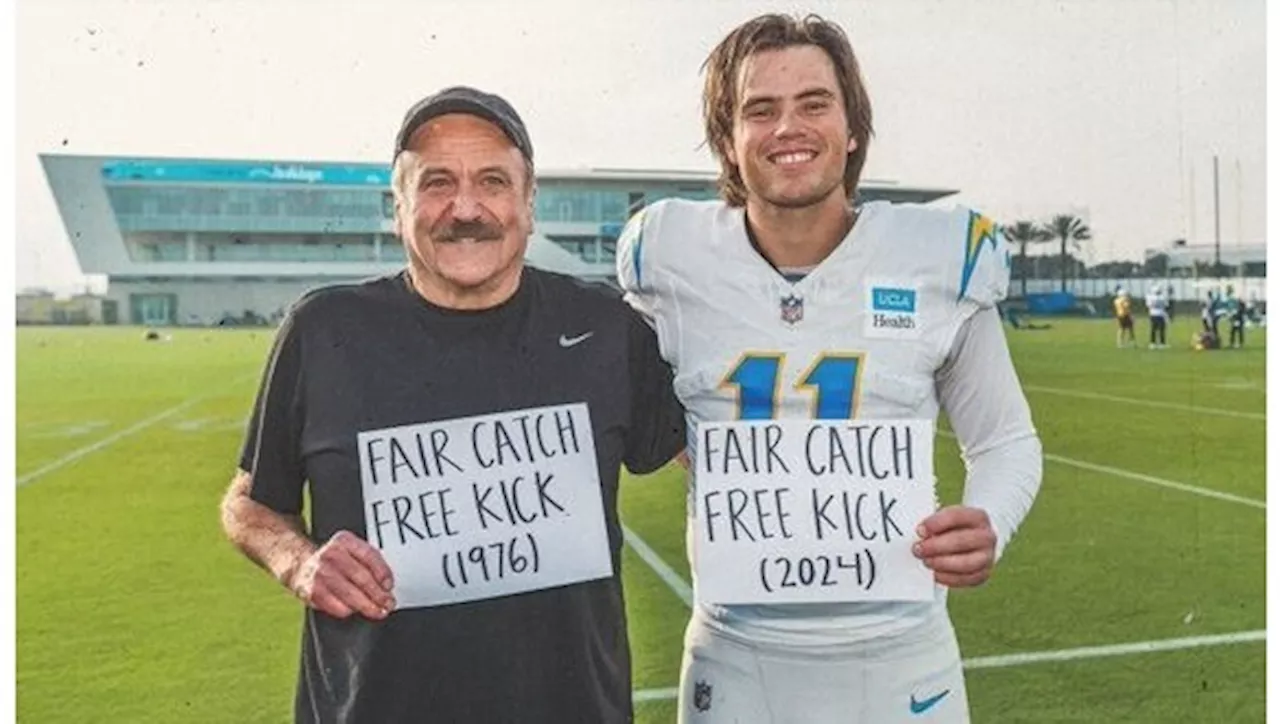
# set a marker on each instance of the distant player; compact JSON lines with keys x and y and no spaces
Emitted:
{"x":1157,"y":312}
{"x":1210,"y":313}
{"x":785,"y":301}
{"x":1124,"y":318}
{"x":1237,"y":314}
{"x":1254,"y":312}
{"x":1017,"y":322}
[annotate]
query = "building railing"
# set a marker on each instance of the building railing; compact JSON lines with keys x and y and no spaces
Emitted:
{"x":252,"y":224}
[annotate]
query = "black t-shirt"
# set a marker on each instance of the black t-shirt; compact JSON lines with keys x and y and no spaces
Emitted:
{"x":376,"y":355}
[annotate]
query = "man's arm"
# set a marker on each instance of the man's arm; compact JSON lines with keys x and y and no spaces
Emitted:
{"x":658,"y":418}
{"x":344,"y":576}
{"x":980,"y":392}
{"x":657,"y":429}
{"x":261,"y":509}
{"x":275,"y":541}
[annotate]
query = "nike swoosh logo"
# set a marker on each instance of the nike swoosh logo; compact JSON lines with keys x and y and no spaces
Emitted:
{"x":571,"y":341}
{"x":920,"y":707}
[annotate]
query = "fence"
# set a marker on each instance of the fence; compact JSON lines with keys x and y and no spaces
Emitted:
{"x":1184,"y":290}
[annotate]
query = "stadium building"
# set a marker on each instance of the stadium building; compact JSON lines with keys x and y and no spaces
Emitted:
{"x":204,"y":241}
{"x":1239,"y":260}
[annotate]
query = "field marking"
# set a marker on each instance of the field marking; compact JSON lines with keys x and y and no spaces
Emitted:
{"x":1147,"y":403}
{"x":1144,"y":478}
{"x":118,"y":436}
{"x":1153,"y":480}
{"x":51,"y":430}
{"x":659,"y":566}
{"x":1237,"y":384}
{"x":643,"y":695}
{"x":1097,"y":652}
{"x":1058,"y":655}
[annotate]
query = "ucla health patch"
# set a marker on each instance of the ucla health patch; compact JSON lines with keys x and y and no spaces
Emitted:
{"x":892,"y":313}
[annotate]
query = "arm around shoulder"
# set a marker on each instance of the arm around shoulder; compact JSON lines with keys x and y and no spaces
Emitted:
{"x":657,"y":430}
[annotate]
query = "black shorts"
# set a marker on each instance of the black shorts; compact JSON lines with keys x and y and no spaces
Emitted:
{"x":1126,"y":322}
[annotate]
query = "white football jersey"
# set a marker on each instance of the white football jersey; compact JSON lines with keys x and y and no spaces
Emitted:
{"x":1157,"y":305}
{"x":860,"y":336}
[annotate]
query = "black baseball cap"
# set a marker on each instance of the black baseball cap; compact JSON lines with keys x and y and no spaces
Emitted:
{"x":463,"y":99}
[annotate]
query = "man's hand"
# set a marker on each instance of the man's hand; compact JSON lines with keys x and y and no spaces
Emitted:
{"x":958,"y":544}
{"x":344,"y":576}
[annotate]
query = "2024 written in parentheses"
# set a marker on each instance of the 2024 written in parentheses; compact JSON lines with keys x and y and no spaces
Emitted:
{"x":782,"y":572}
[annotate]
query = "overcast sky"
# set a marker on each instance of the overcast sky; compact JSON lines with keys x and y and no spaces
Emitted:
{"x":1112,"y":109}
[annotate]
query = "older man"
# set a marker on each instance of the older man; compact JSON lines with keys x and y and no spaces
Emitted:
{"x":459,"y":427}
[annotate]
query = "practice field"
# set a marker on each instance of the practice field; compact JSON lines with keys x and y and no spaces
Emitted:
{"x":1134,"y":592}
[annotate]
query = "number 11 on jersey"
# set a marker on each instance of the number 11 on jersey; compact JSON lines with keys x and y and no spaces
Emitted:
{"x":832,"y":379}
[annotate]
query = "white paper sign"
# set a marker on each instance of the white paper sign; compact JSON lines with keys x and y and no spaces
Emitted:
{"x":795,"y":511}
{"x":486,"y":506}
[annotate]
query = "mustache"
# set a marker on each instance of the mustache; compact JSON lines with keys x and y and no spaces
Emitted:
{"x":478,"y":230}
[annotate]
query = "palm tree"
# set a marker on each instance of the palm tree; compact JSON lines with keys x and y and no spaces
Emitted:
{"x":1065,"y":227}
{"x":1024,"y":234}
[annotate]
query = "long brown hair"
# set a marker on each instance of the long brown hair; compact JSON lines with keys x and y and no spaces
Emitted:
{"x":774,"y":32}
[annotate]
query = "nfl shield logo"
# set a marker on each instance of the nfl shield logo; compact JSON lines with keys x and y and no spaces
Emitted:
{"x":702,"y":696}
{"x":792,"y":309}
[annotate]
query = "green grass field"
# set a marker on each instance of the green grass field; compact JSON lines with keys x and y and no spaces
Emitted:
{"x":132,"y":608}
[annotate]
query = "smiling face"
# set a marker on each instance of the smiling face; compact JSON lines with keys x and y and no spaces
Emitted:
{"x":464,"y":208}
{"x":791,"y":138}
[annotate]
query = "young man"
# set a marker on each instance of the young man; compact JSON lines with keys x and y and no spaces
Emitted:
{"x":787,"y":302}
{"x":460,"y":427}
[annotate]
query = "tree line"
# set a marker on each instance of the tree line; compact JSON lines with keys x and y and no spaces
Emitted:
{"x":1070,"y":233}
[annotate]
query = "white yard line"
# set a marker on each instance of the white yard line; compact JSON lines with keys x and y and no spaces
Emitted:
{"x":1144,"y":478}
{"x":1040,"y":657}
{"x":644,"y":695}
{"x":659,"y":566}
{"x":1078,"y":394}
{"x":116,"y":437}
{"x":1097,"y":652}
{"x":1153,"y":480}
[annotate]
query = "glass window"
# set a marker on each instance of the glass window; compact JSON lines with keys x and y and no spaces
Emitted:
{"x":267,"y":204}
{"x":576,"y":205}
{"x":282,"y":210}
{"x":393,"y":252}
{"x":284,"y":247}
{"x":613,"y":206}
{"x":125,"y":200}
